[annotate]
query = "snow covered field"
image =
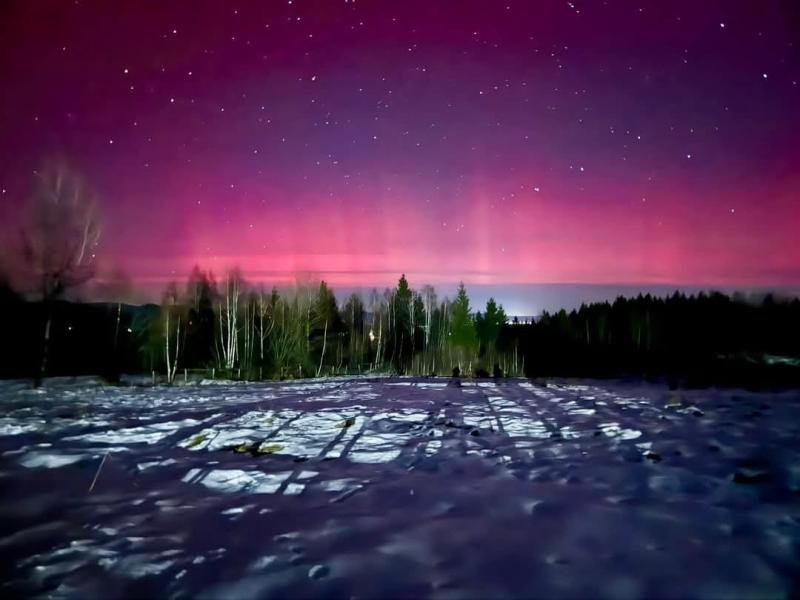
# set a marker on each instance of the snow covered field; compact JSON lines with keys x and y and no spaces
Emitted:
{"x":398,"y":488}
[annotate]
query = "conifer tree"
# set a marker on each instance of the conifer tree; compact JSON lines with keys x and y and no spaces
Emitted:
{"x":462,"y":328}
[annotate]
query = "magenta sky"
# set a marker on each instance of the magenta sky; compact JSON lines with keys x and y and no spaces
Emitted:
{"x":495,"y":142}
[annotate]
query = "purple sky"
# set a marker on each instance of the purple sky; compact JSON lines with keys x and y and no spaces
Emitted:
{"x":499,"y":143}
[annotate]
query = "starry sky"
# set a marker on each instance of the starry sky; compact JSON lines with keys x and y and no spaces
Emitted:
{"x":506,"y":144}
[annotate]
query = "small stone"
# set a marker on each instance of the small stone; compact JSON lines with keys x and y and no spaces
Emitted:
{"x":750,"y":475}
{"x":674,"y":402}
{"x":654,"y":456}
{"x":318,"y":572}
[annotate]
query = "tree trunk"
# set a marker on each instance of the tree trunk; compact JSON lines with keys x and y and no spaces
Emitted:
{"x":45,"y":343}
{"x":177,"y":349}
{"x":324,"y":342}
{"x":166,"y":348}
{"x":116,"y":328}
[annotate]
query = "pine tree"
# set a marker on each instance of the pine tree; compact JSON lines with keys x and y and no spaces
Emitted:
{"x":402,"y":324}
{"x":325,"y":320}
{"x":462,"y":328}
{"x":353,"y":318}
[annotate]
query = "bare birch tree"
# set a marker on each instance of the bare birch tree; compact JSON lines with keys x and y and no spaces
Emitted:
{"x":172,"y":317}
{"x":228,"y":314}
{"x":59,"y":238}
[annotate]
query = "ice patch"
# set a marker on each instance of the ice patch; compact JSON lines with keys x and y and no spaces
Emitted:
{"x":431,"y":386}
{"x":236,"y":480}
{"x":516,"y":421}
{"x":432,"y":447}
{"x":615,"y":431}
{"x":49,"y":460}
{"x":145,"y":434}
{"x":156,"y":463}
{"x":294,"y":489}
{"x":263,"y":562}
{"x":313,"y":432}
{"x":14,"y":427}
{"x":569,"y":433}
{"x":237,"y":510}
{"x":340,"y":485}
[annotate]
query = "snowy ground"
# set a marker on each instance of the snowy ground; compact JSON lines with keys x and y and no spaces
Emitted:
{"x":398,"y":488}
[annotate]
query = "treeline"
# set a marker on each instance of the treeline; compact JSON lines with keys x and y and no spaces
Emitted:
{"x":258,"y":333}
{"x":235,"y":329}
{"x":701,"y":339}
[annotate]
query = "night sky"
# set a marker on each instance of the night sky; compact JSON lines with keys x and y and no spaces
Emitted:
{"x":499,"y":143}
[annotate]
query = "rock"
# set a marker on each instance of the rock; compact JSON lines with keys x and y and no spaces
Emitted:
{"x":267,"y":449}
{"x":654,"y":456}
{"x":197,"y":440}
{"x":674,"y":402}
{"x":555,"y":559}
{"x":318,"y":572}
{"x":348,"y":422}
{"x":750,"y":475}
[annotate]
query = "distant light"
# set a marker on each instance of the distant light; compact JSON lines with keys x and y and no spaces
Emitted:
{"x":130,"y":330}
{"x":69,"y":327}
{"x":764,"y":75}
{"x":371,"y":336}
{"x":722,"y":25}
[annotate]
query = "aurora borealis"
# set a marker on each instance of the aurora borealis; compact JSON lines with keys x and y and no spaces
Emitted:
{"x":498,"y":143}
